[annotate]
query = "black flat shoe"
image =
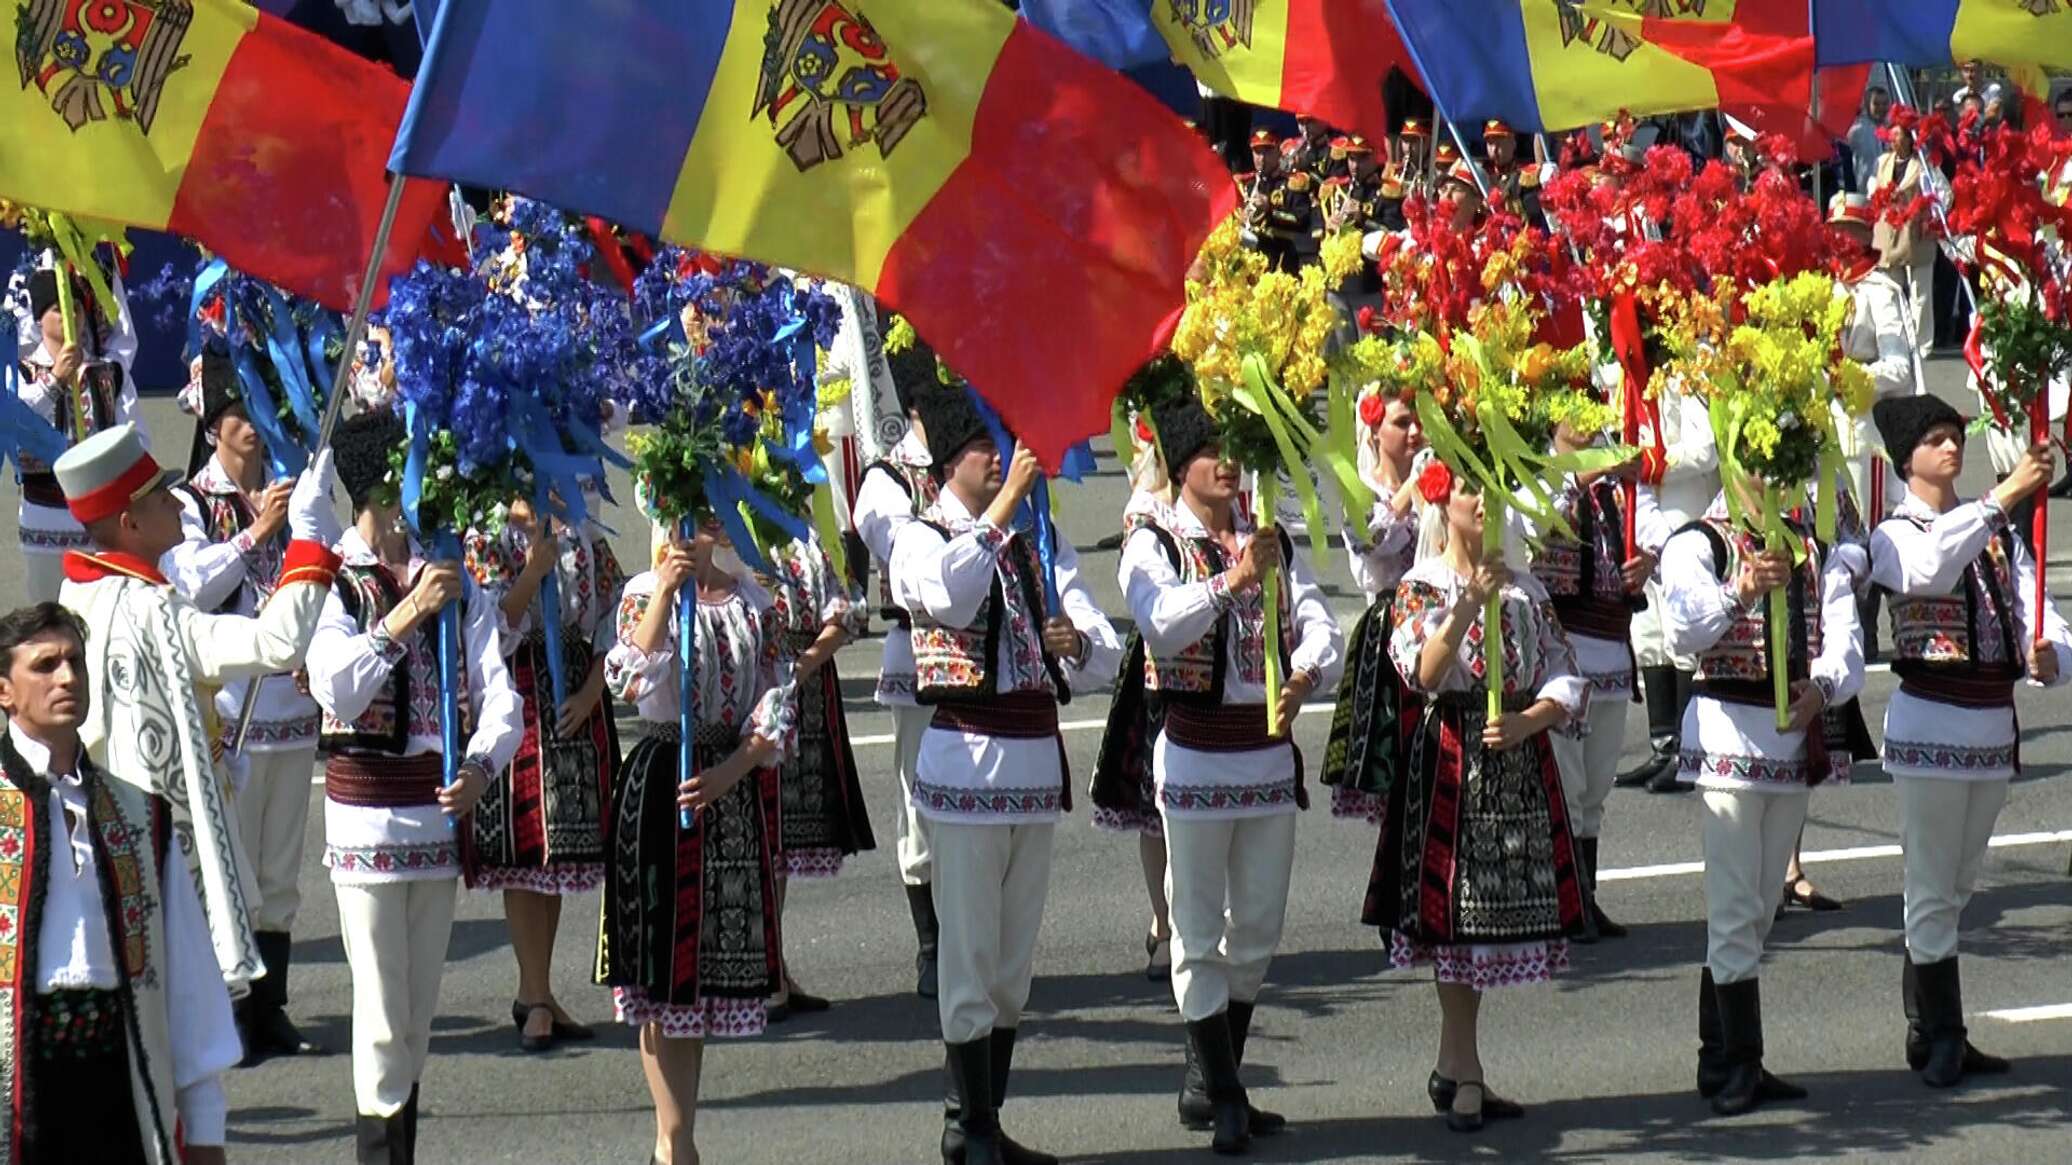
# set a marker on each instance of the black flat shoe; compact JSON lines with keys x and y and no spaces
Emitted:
{"x":529,"y":1043}
{"x":568,"y":1031}
{"x":803,"y":1004}
{"x":1441,"y":1090}
{"x":1809,"y":897}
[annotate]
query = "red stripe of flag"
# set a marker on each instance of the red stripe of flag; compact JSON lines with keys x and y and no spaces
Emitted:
{"x":1338,"y":56}
{"x":1045,"y":267}
{"x":286,"y":180}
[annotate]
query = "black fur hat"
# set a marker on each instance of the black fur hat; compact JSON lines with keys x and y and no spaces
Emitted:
{"x":1185,"y":429}
{"x":914,"y":373}
{"x":361,"y":447}
{"x":220,"y":389}
{"x":1904,"y":420}
{"x":949,"y":421}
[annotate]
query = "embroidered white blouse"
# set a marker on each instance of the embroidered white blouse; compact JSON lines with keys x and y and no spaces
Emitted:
{"x":210,"y":573}
{"x":1173,"y":615}
{"x":964,"y":776}
{"x":73,"y":951}
{"x":1538,"y":660}
{"x":1737,"y":747}
{"x":349,"y":668}
{"x":587,"y":574}
{"x":883,"y":506}
{"x":742,"y":677}
{"x":1928,"y":738}
{"x":1385,"y":555}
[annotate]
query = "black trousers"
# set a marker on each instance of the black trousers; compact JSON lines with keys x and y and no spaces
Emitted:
{"x":83,"y":1109}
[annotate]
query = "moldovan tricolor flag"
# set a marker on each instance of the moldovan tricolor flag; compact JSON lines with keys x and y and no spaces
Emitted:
{"x":1324,"y":58}
{"x":1542,"y":65}
{"x":1031,"y":212}
{"x":209,"y":119}
{"x":2025,"y":36}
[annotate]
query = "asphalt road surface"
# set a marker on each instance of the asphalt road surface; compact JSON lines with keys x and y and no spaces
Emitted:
{"x":1603,"y":1057}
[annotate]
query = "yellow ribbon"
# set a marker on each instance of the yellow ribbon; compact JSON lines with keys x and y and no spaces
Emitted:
{"x":1493,"y":607}
{"x":830,"y":533}
{"x":1259,"y":394}
{"x":1270,"y":586}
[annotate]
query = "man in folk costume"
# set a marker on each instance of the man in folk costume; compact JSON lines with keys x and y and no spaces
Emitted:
{"x":1965,"y":630}
{"x":118,"y":1027}
{"x":156,"y":657}
{"x":235,"y":541}
{"x":1596,"y":582}
{"x":1682,"y":481}
{"x":81,"y":387}
{"x":391,"y":827}
{"x":1228,"y":778}
{"x":897,"y":490}
{"x":990,"y":778}
{"x":1755,"y":778}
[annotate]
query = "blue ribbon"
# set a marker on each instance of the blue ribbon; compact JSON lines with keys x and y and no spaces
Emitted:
{"x":419,"y":427}
{"x":204,"y":283}
{"x":290,"y":361}
{"x":321,"y":369}
{"x":728,"y":491}
{"x":1035,"y":512}
{"x":686,"y":687}
{"x":550,"y":602}
{"x":22,"y":431}
{"x":448,"y":548}
{"x":287,"y":458}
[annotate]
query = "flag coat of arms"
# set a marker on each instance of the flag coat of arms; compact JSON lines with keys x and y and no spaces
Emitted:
{"x":208,"y":119}
{"x":1031,"y":212}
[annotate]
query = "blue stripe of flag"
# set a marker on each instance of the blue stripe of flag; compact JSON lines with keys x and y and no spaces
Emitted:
{"x":1474,"y":58}
{"x":1117,"y":33}
{"x":589,"y":106}
{"x":1904,"y":32}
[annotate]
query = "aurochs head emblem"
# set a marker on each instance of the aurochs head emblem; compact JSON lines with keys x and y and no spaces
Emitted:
{"x":97,"y":59}
{"x":1216,"y":26}
{"x":829,"y":84}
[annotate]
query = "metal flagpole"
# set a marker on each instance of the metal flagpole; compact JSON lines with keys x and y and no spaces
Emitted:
{"x":355,"y":331}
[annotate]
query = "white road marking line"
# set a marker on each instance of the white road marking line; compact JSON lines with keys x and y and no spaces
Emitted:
{"x":1854,"y":854}
{"x":2032,"y":1014}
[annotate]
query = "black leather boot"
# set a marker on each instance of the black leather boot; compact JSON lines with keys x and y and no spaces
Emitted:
{"x":1262,"y":1122}
{"x":1195,"y":1110}
{"x":1712,"y":1049}
{"x":1594,"y":917}
{"x":1939,"y":994}
{"x":1011,"y":1151}
{"x":1741,"y":1029}
{"x":1210,"y":1040}
{"x":381,"y":1140}
{"x":1976,"y":1063}
{"x":971,"y":1126}
{"x":271,"y":1032}
{"x":921,"y":904}
{"x":1658,"y":688}
{"x":410,"y":1122}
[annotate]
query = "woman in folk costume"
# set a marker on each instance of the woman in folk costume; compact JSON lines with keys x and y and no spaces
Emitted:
{"x":1480,"y":810}
{"x":1596,"y":581}
{"x":1229,"y":780}
{"x":823,"y":819}
{"x":392,"y":827}
{"x":702,"y":960}
{"x":81,"y":387}
{"x":1965,"y":631}
{"x":1376,"y":714}
{"x":1123,"y":789}
{"x":539,"y":835}
{"x":1754,"y":778}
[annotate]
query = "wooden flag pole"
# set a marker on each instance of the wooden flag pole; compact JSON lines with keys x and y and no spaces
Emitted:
{"x":355,"y":331}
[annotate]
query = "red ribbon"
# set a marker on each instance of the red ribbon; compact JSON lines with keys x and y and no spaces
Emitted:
{"x":1629,"y":346}
{"x":607,"y":242}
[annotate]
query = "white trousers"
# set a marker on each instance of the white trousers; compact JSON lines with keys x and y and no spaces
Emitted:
{"x":1919,"y":278}
{"x":43,"y":575}
{"x":1227,"y":881}
{"x":1944,"y":827}
{"x":909,"y":724}
{"x":395,"y":945}
{"x":990,"y":884}
{"x":1748,"y":840}
{"x":272,"y":820}
{"x":1588,"y":765}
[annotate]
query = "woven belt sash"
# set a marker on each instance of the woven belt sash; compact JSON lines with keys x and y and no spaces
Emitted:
{"x":1015,"y":716}
{"x":42,"y":489}
{"x":1963,"y":690}
{"x":1223,"y":728}
{"x":81,"y":1024}
{"x":704,"y":737}
{"x":377,"y":781}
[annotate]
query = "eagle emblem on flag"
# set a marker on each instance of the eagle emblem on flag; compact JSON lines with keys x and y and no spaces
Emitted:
{"x":97,"y":59}
{"x":1216,"y":26}
{"x":2041,"y":7}
{"x":1602,"y":35}
{"x":827,"y":70}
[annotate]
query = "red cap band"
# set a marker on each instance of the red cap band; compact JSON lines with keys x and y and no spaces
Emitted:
{"x":115,"y":497}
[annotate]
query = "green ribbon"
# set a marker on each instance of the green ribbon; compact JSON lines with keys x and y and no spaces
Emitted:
{"x":1780,"y":610}
{"x":1262,"y":396}
{"x":1269,"y":497}
{"x":76,"y":248}
{"x":1493,"y":607}
{"x":830,"y":533}
{"x":1119,"y":434}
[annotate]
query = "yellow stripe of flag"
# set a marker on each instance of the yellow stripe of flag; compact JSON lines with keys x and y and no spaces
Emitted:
{"x":1589,"y":62}
{"x":70,"y":139}
{"x":2014,"y":32}
{"x":774,"y":174}
{"x":1242,"y":56}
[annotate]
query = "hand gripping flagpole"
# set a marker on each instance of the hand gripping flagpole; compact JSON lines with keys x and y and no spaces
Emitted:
{"x":355,"y":331}
{"x":686,"y":688}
